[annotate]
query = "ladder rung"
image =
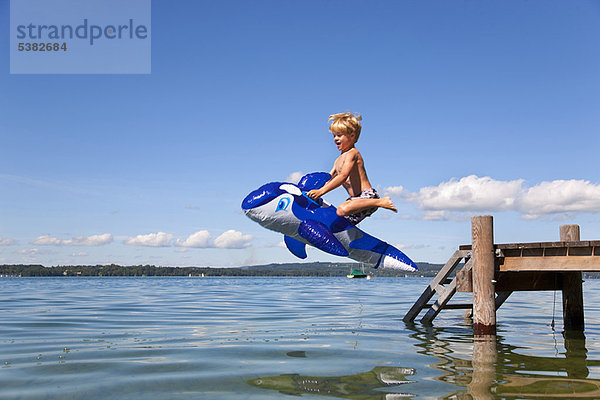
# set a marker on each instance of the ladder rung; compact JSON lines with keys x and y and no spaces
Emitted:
{"x":439,"y":289}
{"x":453,"y":306}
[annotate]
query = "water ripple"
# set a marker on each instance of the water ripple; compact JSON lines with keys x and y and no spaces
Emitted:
{"x":181,"y":338}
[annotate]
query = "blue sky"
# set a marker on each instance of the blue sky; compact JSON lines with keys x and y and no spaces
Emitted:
{"x":468,"y":108}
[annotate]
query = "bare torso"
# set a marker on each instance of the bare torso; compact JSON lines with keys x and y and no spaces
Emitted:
{"x":357,"y":180}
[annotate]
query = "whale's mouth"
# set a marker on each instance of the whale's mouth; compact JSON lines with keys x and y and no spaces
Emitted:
{"x":257,"y":216}
{"x":252,"y":214}
{"x":263,"y":219}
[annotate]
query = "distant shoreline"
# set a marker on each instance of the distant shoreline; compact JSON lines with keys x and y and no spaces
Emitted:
{"x":317,"y":269}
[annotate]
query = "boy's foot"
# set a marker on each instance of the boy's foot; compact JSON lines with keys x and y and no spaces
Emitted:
{"x":386,"y":202}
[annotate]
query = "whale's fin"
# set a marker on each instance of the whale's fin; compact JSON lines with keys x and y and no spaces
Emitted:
{"x":296,"y":247}
{"x":318,"y":235}
{"x":315,"y":180}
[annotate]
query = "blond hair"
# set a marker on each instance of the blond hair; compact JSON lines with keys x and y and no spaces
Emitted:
{"x":346,"y":123}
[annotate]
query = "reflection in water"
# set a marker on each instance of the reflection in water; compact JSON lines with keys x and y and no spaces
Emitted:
{"x":359,"y":386}
{"x":496,"y":370}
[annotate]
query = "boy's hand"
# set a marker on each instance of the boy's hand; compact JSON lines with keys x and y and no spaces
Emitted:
{"x":314,"y":194}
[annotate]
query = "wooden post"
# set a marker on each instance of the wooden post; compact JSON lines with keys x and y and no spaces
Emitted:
{"x":484,"y":309}
{"x":572,"y":290}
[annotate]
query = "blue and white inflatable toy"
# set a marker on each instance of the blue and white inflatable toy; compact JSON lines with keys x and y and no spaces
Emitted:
{"x":285,"y":208}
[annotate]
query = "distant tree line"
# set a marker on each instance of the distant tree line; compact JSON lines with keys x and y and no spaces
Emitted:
{"x":289,"y":269}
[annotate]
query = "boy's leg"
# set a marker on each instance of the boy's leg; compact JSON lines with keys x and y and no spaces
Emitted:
{"x":353,"y":206}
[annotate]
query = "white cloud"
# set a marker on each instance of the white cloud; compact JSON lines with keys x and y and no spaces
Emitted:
{"x":200,"y":239}
{"x":46,"y":240}
{"x":6,"y":241}
{"x":29,"y":252}
{"x":437,"y":215}
{"x":394,"y":191}
{"x":93,"y":240}
{"x":295,"y":177}
{"x":160,"y":239}
{"x":470,"y":193}
{"x":474,"y":194}
{"x":79,"y":254}
{"x":402,"y":246}
{"x":454,"y":199}
{"x":560,"y":196}
{"x":230,"y":239}
{"x":233,"y":240}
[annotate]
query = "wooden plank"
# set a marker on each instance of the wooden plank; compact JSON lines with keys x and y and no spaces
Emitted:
{"x":440,"y":289}
{"x":449,"y":267}
{"x":539,"y":245}
{"x":457,"y":306}
{"x":552,"y":263}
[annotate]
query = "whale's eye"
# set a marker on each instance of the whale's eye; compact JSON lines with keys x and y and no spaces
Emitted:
{"x":283,"y":204}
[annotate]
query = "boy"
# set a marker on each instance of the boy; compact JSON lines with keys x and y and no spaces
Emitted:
{"x":349,"y":171}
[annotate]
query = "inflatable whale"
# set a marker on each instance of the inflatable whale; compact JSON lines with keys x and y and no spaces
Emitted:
{"x":285,"y":208}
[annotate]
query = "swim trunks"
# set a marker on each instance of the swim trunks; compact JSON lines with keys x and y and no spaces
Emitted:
{"x":365,"y":194}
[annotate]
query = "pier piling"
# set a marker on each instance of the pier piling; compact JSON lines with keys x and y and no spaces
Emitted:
{"x":484,"y":309}
{"x":572,"y":290}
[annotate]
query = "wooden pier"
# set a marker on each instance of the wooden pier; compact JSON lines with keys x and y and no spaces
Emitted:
{"x":492,"y":272}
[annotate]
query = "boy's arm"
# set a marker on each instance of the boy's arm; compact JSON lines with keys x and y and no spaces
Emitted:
{"x":337,"y":179}
{"x":333,"y":172}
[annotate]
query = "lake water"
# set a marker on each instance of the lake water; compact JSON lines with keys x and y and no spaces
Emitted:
{"x":261,"y":338}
